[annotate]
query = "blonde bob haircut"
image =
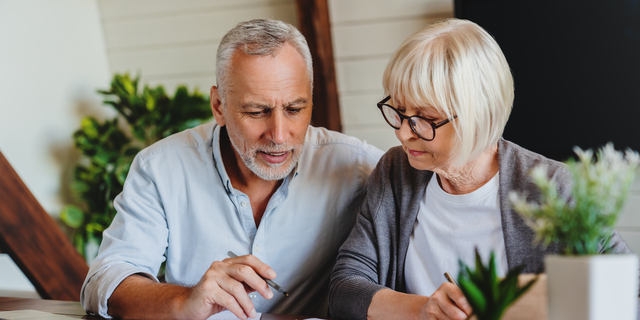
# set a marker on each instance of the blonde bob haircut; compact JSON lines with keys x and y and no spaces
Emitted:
{"x":458,"y":69}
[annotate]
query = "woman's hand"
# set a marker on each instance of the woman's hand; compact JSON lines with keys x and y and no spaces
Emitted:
{"x":448,"y":302}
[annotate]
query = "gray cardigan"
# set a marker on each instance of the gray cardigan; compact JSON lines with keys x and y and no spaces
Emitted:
{"x":373,"y":256}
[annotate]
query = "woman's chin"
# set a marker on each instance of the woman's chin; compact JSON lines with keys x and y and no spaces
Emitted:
{"x":419,"y":165}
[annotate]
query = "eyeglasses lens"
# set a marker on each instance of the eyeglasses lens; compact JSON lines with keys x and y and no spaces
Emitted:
{"x":392,"y":116}
{"x":423,"y":128}
{"x":420,"y":126}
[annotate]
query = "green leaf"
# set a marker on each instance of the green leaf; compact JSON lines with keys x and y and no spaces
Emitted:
{"x":474,"y":295}
{"x":79,"y":243}
{"x":89,"y":127}
{"x":72,"y":216}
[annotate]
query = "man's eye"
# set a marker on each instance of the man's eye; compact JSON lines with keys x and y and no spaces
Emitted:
{"x":294,"y":110}
{"x":256,"y":114}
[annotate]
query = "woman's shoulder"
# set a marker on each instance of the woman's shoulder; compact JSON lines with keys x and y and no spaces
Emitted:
{"x":394,"y":169}
{"x":394,"y":161}
{"x":395,"y":155}
{"x":517,"y":163}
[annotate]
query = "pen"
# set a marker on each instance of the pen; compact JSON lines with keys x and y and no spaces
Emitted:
{"x":450,"y":278}
{"x":269,"y":282}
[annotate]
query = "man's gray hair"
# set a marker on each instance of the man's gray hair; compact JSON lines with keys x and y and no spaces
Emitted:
{"x":258,"y":37}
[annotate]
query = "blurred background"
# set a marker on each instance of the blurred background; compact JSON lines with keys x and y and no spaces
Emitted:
{"x":55,"y":54}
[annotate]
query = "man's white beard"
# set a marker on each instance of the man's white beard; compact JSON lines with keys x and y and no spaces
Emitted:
{"x":266,"y":170}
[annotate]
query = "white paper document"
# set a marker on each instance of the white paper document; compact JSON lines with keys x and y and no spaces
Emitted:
{"x":227,"y":315}
{"x":31,"y":315}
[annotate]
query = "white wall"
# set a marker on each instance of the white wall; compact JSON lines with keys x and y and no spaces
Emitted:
{"x":52,"y":59}
{"x":175,"y":42}
{"x":629,"y":221}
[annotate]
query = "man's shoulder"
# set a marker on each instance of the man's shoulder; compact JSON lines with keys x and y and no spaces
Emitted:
{"x":181,"y":143}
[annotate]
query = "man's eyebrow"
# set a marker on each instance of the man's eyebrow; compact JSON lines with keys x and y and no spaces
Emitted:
{"x":296,"y":102}
{"x":252,"y":105}
{"x":256,"y":105}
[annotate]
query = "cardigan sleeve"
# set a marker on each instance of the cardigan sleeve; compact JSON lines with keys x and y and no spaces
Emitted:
{"x":355,"y":276}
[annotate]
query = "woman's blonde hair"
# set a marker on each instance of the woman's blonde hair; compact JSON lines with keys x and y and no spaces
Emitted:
{"x":457,"y":68}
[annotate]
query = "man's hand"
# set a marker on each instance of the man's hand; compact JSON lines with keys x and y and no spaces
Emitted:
{"x":448,"y":302}
{"x":226,"y":285}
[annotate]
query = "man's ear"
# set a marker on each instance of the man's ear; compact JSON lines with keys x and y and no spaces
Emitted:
{"x":216,"y":106}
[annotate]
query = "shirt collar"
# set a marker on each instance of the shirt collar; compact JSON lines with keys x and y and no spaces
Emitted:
{"x":217,"y":157}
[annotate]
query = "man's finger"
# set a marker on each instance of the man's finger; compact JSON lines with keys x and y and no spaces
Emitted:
{"x":260,"y":267}
{"x":248,"y":275}
{"x":226,"y":300}
{"x":237,"y":295}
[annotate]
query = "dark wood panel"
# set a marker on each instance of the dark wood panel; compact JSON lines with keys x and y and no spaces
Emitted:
{"x":313,"y":21}
{"x":35,"y":242}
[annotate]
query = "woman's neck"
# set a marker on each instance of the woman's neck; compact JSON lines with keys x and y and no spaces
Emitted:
{"x":471,"y":176}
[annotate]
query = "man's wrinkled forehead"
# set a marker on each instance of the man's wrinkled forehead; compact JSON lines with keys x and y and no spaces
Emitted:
{"x":251,"y":72}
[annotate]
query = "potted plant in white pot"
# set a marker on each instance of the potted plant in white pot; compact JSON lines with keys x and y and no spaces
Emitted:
{"x":584,"y":283}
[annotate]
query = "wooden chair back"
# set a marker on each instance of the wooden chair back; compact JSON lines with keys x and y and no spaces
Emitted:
{"x":35,"y":242}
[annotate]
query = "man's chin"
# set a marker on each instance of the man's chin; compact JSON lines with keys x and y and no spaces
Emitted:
{"x":270,"y":175}
{"x":272,"y":171}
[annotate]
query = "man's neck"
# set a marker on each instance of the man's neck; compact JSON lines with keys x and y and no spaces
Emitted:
{"x":244,"y":180}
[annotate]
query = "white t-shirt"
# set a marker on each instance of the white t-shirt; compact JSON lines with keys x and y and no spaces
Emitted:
{"x":448,"y":228}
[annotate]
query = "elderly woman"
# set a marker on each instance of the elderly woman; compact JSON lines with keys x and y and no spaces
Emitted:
{"x":444,"y":191}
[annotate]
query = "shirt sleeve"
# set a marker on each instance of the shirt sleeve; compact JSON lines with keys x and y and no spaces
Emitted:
{"x":135,"y":243}
{"x":371,"y":157}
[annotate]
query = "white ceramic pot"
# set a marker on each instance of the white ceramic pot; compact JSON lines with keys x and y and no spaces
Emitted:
{"x":599,"y":287}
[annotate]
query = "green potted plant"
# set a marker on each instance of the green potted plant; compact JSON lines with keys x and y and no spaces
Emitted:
{"x":108,"y":148}
{"x":488,"y":295}
{"x":582,"y":282}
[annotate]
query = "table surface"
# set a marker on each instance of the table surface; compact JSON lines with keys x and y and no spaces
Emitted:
{"x":75,"y":310}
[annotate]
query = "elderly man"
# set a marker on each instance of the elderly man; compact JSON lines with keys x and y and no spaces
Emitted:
{"x":260,"y":183}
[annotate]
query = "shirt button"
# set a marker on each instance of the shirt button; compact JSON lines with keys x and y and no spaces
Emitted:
{"x":253,"y":295}
{"x":256,"y":249}
{"x":244,"y":204}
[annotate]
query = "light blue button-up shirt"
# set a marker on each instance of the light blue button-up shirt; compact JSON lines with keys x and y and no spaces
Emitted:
{"x":178,"y":203}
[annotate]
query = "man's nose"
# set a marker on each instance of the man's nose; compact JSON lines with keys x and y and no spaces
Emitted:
{"x":278,"y":128}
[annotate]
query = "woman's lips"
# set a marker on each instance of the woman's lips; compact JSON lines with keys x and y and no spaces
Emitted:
{"x":275,"y":157}
{"x":415,"y":153}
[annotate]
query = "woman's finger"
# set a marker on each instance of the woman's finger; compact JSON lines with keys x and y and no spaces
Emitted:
{"x":457,"y":297}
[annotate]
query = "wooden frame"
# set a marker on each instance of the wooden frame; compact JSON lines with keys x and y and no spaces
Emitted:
{"x":313,"y":21}
{"x":35,"y":242}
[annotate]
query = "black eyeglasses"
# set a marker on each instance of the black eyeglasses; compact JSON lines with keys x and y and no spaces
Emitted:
{"x":423,"y":128}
